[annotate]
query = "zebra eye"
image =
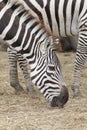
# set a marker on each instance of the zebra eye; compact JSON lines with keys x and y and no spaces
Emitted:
{"x":52,"y":68}
{"x":48,"y":45}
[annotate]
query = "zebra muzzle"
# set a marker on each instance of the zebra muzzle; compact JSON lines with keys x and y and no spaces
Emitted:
{"x":60,"y":101}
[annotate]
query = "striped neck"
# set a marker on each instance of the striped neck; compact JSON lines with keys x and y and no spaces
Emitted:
{"x":19,"y":29}
{"x":23,"y":32}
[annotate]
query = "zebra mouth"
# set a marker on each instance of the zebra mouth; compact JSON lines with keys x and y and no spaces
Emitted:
{"x":60,"y":101}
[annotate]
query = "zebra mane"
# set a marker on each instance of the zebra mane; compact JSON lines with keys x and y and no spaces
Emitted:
{"x":24,"y":12}
{"x":15,"y":4}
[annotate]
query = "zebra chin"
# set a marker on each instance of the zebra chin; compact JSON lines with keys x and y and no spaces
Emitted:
{"x":61,"y":100}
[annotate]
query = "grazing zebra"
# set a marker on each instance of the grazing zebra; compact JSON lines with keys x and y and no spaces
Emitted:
{"x":64,"y":18}
{"x":13,"y":57}
{"x":27,"y":36}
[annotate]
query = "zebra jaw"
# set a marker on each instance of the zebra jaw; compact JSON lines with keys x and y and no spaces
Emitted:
{"x":59,"y":101}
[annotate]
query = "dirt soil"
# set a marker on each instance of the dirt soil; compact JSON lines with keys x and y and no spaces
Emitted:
{"x":26,"y":112}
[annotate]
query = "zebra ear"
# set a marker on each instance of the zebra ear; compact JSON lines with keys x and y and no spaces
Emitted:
{"x":56,"y":40}
{"x":54,"y":43}
{"x":44,"y":45}
{"x":43,"y":48}
{"x":50,"y":41}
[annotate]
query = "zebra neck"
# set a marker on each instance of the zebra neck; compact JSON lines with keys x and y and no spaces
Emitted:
{"x":20,"y":29}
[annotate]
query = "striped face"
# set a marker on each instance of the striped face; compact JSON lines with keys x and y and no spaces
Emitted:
{"x":56,"y":92}
{"x":48,"y":77}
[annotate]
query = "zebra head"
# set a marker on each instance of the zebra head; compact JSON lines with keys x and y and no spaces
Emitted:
{"x":47,"y":75}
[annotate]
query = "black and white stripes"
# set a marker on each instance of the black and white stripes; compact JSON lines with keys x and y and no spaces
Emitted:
{"x":60,"y":17}
{"x":64,"y":18}
{"x":15,"y":59}
{"x":27,"y":36}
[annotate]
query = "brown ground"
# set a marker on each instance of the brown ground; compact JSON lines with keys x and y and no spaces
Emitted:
{"x":24,"y":112}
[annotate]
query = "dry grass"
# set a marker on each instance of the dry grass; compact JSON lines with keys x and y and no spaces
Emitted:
{"x":25,"y":112}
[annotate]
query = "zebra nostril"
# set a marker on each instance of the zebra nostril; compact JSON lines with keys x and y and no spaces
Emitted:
{"x":56,"y":102}
{"x":59,"y":101}
{"x":64,"y":95}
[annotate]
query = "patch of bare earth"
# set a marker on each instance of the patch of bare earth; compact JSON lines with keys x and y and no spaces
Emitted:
{"x":26,"y":112}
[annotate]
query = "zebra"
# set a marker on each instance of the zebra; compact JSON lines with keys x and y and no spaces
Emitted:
{"x":27,"y":36}
{"x":15,"y":57}
{"x":64,"y":18}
